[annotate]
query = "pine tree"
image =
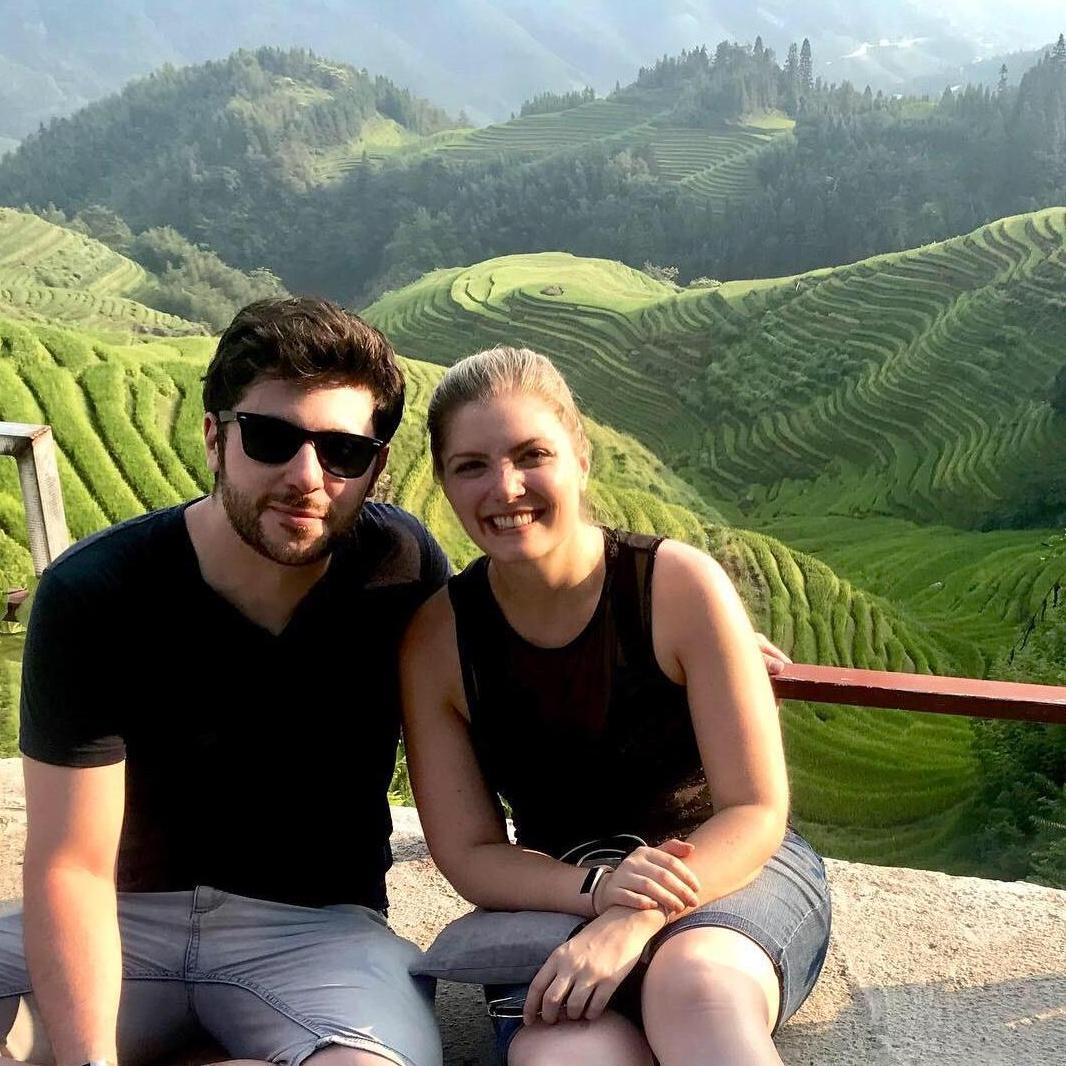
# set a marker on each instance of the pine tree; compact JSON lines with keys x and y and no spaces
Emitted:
{"x":792,"y":64}
{"x":1059,"y":51}
{"x":806,"y":66}
{"x":1001,"y":88}
{"x":759,"y":50}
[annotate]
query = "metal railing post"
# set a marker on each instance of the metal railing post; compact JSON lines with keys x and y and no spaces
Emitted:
{"x":46,"y":524}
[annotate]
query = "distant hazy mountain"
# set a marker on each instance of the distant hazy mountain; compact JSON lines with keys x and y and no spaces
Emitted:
{"x":487,"y":56}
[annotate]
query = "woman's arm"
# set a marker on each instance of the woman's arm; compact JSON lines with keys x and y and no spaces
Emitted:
{"x":704,"y":640}
{"x":462,"y":820}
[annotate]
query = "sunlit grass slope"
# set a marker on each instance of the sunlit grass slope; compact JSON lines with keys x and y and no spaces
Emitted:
{"x":585,"y":313}
{"x":975,"y":591}
{"x":914,"y":384}
{"x":717,"y":164}
{"x":869,"y":785}
{"x":54,"y":274}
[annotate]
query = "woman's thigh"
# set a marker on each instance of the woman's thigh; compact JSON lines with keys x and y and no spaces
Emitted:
{"x":782,"y":916}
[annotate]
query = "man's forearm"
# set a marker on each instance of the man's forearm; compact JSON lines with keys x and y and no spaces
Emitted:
{"x":75,"y":960}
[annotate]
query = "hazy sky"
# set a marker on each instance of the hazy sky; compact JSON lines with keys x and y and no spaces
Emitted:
{"x":1022,"y":24}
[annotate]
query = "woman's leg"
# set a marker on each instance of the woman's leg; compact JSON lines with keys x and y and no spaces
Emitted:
{"x":711,"y":996}
{"x":611,"y":1040}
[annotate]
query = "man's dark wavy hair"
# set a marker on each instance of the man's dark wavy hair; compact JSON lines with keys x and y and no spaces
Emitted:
{"x":304,"y":338}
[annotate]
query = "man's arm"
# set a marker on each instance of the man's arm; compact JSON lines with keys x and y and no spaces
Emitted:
{"x":74,"y":817}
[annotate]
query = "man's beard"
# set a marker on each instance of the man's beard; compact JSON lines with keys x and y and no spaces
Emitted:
{"x":245,"y":515}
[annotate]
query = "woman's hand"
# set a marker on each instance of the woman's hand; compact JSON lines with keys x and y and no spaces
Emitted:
{"x":650,"y":878}
{"x":773,"y":657}
{"x":581,"y":975}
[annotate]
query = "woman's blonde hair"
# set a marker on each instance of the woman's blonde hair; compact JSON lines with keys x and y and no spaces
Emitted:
{"x":499,"y":372}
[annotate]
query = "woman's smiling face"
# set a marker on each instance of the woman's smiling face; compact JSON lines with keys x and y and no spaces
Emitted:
{"x":512,"y":474}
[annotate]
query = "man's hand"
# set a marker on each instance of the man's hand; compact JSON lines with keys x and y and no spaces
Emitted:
{"x":581,"y":975}
{"x":776,"y":660}
{"x":650,"y":878}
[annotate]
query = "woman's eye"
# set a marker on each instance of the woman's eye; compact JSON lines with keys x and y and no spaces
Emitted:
{"x":471,"y":466}
{"x":536,"y":455}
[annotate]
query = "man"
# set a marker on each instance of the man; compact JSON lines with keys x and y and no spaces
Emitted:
{"x":209,"y":706}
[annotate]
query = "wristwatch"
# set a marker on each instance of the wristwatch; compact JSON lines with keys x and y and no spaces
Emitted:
{"x":592,"y":879}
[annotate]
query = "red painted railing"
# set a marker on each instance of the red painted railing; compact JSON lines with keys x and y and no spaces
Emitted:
{"x":922,"y":692}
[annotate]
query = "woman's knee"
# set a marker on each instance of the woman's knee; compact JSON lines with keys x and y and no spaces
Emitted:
{"x":609,"y":1041}
{"x":712,"y":970}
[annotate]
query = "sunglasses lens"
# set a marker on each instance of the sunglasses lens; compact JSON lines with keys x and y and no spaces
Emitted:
{"x":273,"y":440}
{"x":344,"y":454}
{"x":269,"y":440}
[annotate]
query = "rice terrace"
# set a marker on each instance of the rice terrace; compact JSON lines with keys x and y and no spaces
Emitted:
{"x":873,"y":445}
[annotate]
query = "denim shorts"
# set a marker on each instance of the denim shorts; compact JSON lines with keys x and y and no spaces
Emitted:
{"x":786,"y":910}
{"x":266,"y":981}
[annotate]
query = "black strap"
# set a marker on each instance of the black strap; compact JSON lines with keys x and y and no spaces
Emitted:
{"x":632,"y":597}
{"x":463,"y":593}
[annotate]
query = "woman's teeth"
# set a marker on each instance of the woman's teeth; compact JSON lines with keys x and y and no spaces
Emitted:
{"x":512,"y":521}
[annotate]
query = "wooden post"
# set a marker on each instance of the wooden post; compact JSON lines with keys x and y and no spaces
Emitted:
{"x":34,"y":450}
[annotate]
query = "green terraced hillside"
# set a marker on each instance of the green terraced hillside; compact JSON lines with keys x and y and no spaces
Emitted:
{"x":975,"y":591}
{"x":585,"y":313}
{"x":50,"y":273}
{"x":876,"y":785}
{"x":914,"y":384}
{"x":717,"y":164}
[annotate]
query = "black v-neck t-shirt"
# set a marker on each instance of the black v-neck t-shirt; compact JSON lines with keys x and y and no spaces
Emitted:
{"x":255,"y":763}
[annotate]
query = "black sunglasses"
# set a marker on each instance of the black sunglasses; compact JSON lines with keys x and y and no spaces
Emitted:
{"x":273,"y":440}
{"x":507,"y":1007}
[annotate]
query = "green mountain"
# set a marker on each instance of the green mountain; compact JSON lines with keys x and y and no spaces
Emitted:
{"x":345,"y":185}
{"x":258,"y":120}
{"x":74,"y":270}
{"x":51,"y":273}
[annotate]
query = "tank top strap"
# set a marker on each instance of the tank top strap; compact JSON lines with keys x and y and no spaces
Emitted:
{"x":631,"y":599}
{"x":472,"y":606}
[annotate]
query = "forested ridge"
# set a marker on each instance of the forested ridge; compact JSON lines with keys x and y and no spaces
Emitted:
{"x":225,"y":154}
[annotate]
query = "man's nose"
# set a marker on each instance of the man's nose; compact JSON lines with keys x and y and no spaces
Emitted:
{"x":303,"y":471}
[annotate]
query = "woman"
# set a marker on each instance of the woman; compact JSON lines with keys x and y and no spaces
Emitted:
{"x":603,"y":682}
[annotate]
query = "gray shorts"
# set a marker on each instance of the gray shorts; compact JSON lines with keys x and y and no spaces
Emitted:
{"x":264,"y":980}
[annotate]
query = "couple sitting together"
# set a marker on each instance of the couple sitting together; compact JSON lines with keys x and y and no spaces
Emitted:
{"x":211,"y":705}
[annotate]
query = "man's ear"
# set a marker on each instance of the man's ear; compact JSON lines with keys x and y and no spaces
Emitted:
{"x":214,"y":439}
{"x":379,"y":468}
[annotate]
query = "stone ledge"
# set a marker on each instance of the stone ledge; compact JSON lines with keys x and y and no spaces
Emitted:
{"x":923,"y":967}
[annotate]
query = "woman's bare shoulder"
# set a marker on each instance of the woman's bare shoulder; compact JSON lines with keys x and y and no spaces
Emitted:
{"x":687,"y":570}
{"x":430,"y":653}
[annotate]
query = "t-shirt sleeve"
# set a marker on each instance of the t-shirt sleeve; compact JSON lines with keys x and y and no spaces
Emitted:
{"x":66,"y":707}
{"x":436,"y":569}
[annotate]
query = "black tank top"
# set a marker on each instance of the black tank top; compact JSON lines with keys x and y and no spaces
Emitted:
{"x":589,"y":739}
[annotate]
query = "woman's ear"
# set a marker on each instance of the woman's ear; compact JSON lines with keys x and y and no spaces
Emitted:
{"x":584,"y":462}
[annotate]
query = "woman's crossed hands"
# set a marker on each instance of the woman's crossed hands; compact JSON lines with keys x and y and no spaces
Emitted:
{"x":649,"y":879}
